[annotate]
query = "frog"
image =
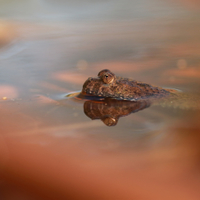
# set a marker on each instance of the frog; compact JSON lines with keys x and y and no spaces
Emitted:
{"x":108,"y":85}
{"x":109,"y":97}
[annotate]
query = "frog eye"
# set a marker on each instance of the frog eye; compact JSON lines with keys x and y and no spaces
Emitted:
{"x":107,"y":78}
{"x":102,"y":72}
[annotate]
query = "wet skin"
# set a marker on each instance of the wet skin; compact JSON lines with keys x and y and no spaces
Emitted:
{"x":107,"y":85}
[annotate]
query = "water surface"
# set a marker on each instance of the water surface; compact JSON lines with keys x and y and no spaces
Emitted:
{"x":49,"y":49}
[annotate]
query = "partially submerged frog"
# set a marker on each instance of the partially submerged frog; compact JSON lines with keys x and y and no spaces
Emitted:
{"x":107,"y":85}
{"x":111,"y":97}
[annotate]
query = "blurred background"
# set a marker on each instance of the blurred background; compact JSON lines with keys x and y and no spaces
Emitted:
{"x":49,"y":149}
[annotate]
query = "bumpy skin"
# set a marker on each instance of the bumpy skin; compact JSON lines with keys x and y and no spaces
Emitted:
{"x":107,"y":85}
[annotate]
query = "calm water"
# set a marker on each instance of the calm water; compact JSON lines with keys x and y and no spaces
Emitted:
{"x":49,"y":49}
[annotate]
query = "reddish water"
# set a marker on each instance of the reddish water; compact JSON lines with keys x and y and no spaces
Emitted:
{"x":49,"y":149}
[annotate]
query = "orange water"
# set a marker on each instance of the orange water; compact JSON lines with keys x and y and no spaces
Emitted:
{"x":49,"y":148}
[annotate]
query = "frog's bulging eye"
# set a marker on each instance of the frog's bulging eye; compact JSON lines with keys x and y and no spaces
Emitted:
{"x":106,"y":76}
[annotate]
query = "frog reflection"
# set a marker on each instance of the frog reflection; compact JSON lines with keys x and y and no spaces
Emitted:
{"x":110,"y":110}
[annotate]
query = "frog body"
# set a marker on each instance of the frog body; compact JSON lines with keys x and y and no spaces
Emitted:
{"x":107,"y":85}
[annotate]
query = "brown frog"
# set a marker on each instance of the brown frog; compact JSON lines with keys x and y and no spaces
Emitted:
{"x":107,"y":85}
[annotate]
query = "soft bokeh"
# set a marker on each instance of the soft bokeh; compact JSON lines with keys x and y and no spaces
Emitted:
{"x":49,"y":149}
